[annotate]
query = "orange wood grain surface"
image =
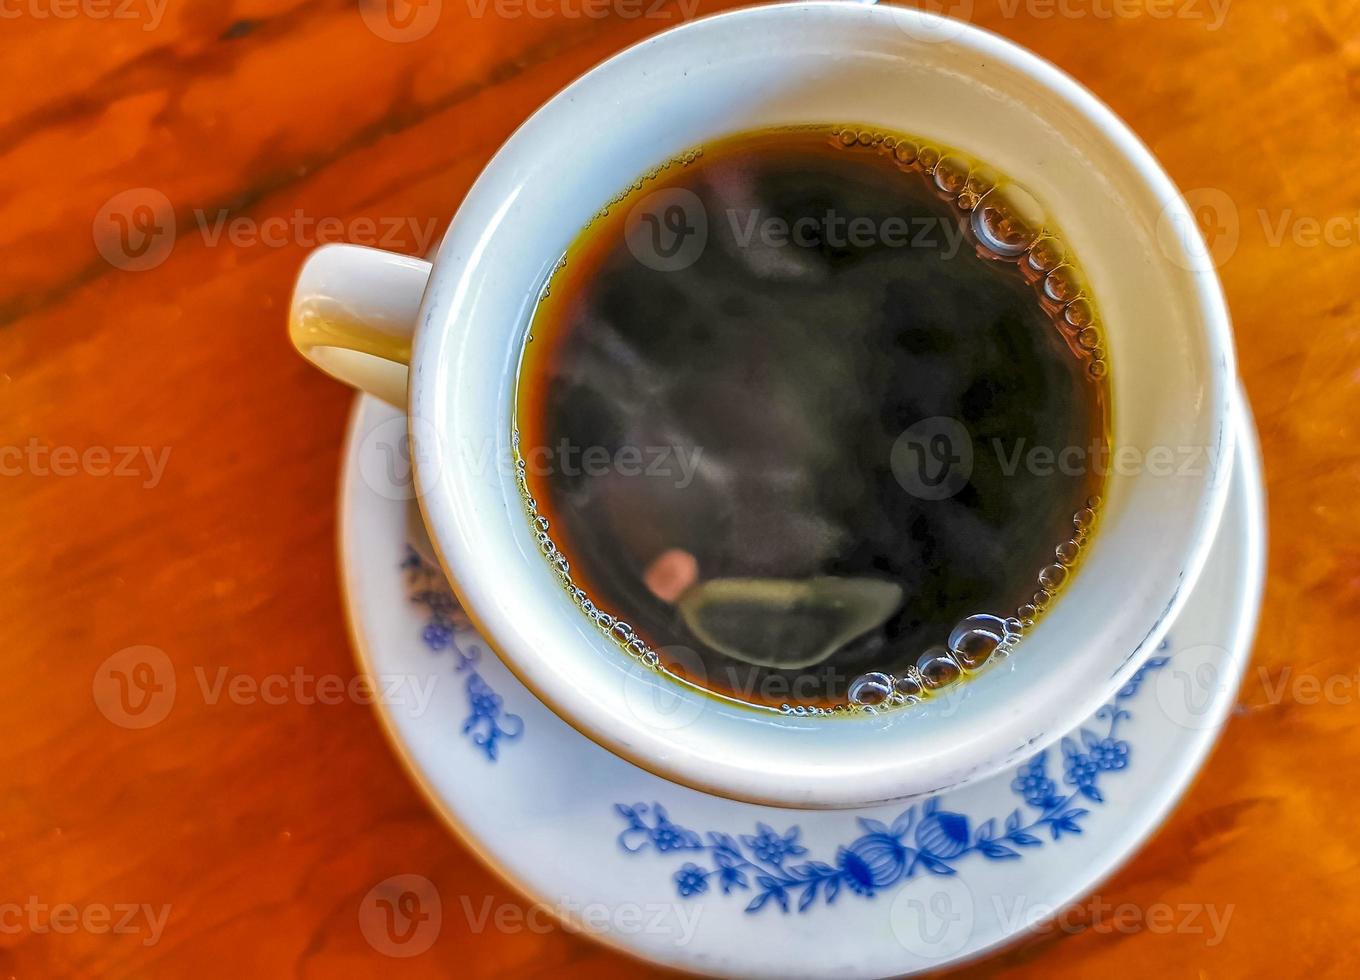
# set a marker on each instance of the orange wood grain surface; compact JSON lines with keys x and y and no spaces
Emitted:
{"x":262,"y":826}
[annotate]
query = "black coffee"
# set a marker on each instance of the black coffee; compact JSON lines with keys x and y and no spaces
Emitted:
{"x":811,"y":414}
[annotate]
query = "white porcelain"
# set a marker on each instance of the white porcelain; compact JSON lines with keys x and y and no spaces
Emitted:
{"x":1168,"y":338}
{"x":538,"y":803}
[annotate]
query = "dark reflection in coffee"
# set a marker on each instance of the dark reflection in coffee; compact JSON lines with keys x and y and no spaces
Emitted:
{"x":796,"y":406}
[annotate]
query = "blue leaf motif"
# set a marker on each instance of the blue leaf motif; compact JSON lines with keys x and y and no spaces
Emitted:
{"x":936,"y":867}
{"x":997,"y":852}
{"x":902,"y":825}
{"x":730,"y":878}
{"x":724,"y":843}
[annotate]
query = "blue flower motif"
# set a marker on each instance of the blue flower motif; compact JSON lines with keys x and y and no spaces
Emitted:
{"x":437,"y":635}
{"x":872,"y":862}
{"x":1081,"y":771}
{"x":485,"y":702}
{"x":691,"y":880}
{"x":666,"y":836}
{"x":1110,"y":754}
{"x":943,"y":834}
{"x":768,"y":845}
{"x":1035,"y":787}
{"x":485,"y":724}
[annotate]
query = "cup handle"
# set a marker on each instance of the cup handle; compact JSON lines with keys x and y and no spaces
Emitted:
{"x":353,"y":315}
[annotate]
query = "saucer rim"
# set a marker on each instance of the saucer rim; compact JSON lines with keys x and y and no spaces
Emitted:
{"x":1123,"y":846}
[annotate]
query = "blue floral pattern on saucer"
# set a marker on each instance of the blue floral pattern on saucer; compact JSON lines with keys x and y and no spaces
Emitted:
{"x":448,"y":630}
{"x":932,"y":839}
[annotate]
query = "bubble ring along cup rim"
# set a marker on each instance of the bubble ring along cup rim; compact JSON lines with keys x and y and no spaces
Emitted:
{"x":706,"y":77}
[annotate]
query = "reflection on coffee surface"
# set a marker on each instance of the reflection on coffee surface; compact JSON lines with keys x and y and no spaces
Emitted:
{"x":807,"y":417}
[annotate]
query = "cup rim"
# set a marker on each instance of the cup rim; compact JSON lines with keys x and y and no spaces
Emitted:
{"x":453,"y":527}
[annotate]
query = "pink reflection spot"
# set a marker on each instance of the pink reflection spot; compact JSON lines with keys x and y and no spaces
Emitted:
{"x":671,"y":573}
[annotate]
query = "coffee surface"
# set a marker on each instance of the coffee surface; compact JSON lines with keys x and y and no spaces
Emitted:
{"x":792,"y":414}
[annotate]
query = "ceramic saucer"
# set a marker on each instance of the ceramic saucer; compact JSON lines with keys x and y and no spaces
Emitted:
{"x":709,"y":885}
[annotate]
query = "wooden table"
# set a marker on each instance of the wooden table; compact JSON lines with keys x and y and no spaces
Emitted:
{"x":262,"y":826}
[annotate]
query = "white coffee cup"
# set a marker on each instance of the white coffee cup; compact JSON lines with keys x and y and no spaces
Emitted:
{"x":444,"y":340}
